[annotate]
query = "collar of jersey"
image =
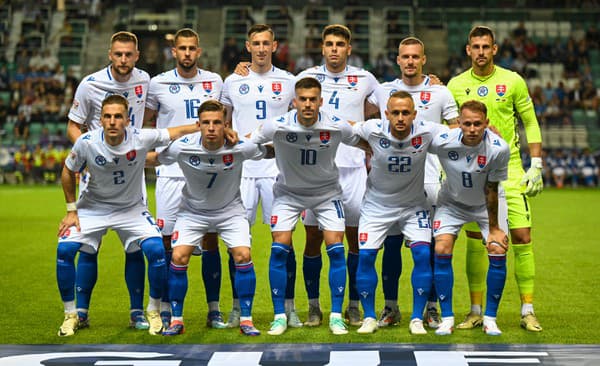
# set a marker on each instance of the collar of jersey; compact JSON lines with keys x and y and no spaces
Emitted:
{"x":484,"y":78}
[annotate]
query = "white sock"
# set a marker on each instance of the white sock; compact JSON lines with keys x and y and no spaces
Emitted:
{"x":289,"y":305}
{"x":431,"y":305}
{"x":392,"y":304}
{"x":476,"y":309}
{"x":69,"y":306}
{"x":314,"y":302}
{"x":236,"y":304}
{"x":245,"y":318}
{"x":153,"y":304}
{"x":353,"y":304}
{"x":213,"y":306}
{"x":165,"y":306}
{"x":526,"y":309}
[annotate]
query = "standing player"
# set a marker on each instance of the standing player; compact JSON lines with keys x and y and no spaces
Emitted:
{"x":345,"y":92}
{"x":123,"y":78}
{"x":306,"y":141}
{"x":395,"y":196}
{"x":211,"y":202}
{"x":475,"y":161}
{"x":264,"y":93}
{"x":173,"y":99}
{"x":505,"y":95}
{"x":113,"y":199}
{"x":433,"y":103}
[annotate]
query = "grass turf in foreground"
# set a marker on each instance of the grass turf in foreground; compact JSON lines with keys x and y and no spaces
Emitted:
{"x":566,"y":265}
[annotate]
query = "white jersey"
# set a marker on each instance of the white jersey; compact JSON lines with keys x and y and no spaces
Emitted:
{"x":176,"y":100}
{"x":117,"y":178}
{"x":256,"y":98}
{"x":344,"y":95}
{"x":212,"y":177}
{"x":468,"y":168}
{"x":305,"y":156}
{"x":94,"y":88}
{"x":433,"y":103}
{"x":397,"y":166}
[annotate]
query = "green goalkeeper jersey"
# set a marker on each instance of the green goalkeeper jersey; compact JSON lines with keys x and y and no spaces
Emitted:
{"x":505,"y":95}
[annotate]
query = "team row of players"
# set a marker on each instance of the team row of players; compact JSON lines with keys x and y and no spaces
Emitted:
{"x":265,"y":93}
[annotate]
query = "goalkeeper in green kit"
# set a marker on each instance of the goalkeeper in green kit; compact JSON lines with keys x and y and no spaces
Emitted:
{"x":505,"y":95}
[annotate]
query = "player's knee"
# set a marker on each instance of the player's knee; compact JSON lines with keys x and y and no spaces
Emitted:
{"x":241,"y":255}
{"x":180,"y":257}
{"x":279,"y":252}
{"x":67,"y":251}
{"x":314,"y":236}
{"x":443,"y":247}
{"x":520,"y":236}
{"x":153,"y":250}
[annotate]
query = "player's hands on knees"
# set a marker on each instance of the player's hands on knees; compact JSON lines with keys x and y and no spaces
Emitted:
{"x":243,"y":68}
{"x":497,"y":241}
{"x":71,"y":219}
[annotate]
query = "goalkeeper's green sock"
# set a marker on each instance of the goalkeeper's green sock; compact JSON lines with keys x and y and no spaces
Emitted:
{"x":477,"y":264}
{"x":525,"y":271}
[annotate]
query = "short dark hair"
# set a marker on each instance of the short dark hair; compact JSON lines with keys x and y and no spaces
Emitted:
{"x":474,"y":106}
{"x":259,"y":28}
{"x":481,"y":31}
{"x":401,"y":94}
{"x":116,"y":99}
{"x":337,"y":30}
{"x":212,"y":105}
{"x":307,"y":83}
{"x":125,"y":37}
{"x":412,"y":41}
{"x":186,"y":33}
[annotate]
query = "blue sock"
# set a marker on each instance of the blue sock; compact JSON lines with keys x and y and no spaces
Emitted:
{"x":211,"y":274}
{"x":433,"y":294}
{"x":168,"y":256}
{"x":311,"y":268}
{"x":85,"y":279}
{"x":444,"y":281}
{"x":391,"y":266}
{"x":278,"y":276}
{"x":245,"y":282}
{"x":232,"y":271}
{"x":65,"y":269}
{"x":366,"y":280}
{"x":135,"y":278}
{"x":157,"y":267}
{"x":290,"y":265}
{"x":421,"y":278}
{"x":178,"y":285}
{"x":337,"y":275}
{"x":352,"y":265}
{"x":496,"y":277}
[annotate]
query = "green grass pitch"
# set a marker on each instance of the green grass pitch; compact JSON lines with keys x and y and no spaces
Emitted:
{"x":566,"y":299}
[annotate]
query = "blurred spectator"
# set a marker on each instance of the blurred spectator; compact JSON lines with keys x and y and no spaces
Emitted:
{"x":355,"y":60}
{"x":520,"y":32}
{"x":592,"y":37}
{"x":22,"y":162}
{"x":229,"y":56}
{"x":303,"y":62}
{"x":545,"y":51}
{"x":559,"y":168}
{"x":21,"y":130}
{"x":588,"y":168}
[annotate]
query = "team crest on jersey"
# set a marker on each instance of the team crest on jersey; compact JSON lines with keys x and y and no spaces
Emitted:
{"x":425,"y":97}
{"x":481,"y":160}
{"x":501,"y":90}
{"x":66,"y":234}
{"x":320,"y":77}
{"x":131,"y":155}
{"x":436,"y":225}
{"x":207,"y":86}
{"x":482,"y":91}
{"x":273,"y":221}
{"x":276,"y":88}
{"x":160,"y":223}
{"x":139,"y":91}
{"x":452,"y":155}
{"x":194,"y":160}
{"x":352,"y":80}
{"x":228,"y":159}
{"x":416,"y":142}
{"x":383,"y":142}
{"x":362,"y":238}
{"x":244,"y":89}
{"x":291,"y":137}
{"x":100,"y":160}
{"x":174,"y":88}
{"x":324,"y":136}
{"x":174,"y":237}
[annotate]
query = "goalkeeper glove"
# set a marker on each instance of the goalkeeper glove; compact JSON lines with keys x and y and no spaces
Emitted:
{"x":533,"y":178}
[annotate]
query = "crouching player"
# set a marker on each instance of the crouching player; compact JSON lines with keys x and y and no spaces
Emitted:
{"x":114,"y":199}
{"x":211,"y":203}
{"x":475,"y":161}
